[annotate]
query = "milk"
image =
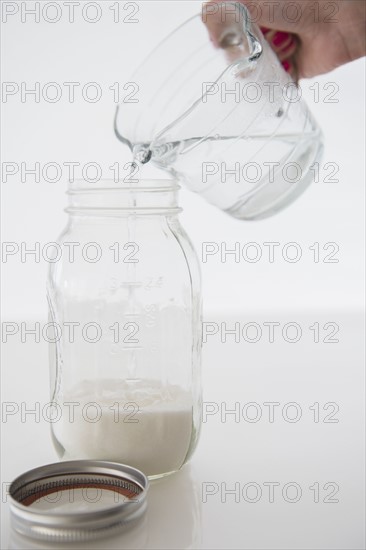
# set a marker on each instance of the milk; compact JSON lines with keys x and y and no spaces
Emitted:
{"x":139,"y":423}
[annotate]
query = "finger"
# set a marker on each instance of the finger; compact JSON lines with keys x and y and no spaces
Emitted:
{"x":224,"y":27}
{"x":282,"y":14}
{"x":286,"y":46}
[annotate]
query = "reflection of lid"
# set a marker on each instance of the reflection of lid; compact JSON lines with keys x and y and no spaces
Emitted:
{"x":77,"y":500}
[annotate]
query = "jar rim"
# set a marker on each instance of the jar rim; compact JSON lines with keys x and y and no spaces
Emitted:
{"x":111,"y":185}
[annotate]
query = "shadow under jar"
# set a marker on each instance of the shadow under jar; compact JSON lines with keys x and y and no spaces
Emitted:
{"x":125,"y":306}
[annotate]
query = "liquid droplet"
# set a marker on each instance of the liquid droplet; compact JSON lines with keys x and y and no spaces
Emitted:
{"x":142,"y":155}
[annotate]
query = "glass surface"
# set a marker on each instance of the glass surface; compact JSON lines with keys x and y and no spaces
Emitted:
{"x":214,"y":107}
{"x":125,"y":300}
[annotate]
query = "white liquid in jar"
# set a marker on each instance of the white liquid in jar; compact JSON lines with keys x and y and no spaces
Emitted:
{"x":140,"y":423}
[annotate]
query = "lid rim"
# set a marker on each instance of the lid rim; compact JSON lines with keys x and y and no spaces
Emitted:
{"x":73,"y":525}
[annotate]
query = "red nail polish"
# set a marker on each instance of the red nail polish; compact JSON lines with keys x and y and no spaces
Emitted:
{"x":289,"y":46}
{"x":286,"y":65}
{"x":265,"y":30}
{"x":279,"y":38}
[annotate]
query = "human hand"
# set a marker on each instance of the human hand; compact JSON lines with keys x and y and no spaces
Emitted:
{"x":311,"y":37}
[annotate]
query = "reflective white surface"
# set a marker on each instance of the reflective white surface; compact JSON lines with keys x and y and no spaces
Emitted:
{"x":188,"y":510}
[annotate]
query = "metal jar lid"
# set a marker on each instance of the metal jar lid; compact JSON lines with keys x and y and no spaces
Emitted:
{"x":52,"y":502}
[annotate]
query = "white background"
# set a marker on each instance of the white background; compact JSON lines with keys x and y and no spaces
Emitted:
{"x":106,"y":53}
{"x":305,"y":292}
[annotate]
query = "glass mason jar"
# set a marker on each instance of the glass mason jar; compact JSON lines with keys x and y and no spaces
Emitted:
{"x":125,"y":302}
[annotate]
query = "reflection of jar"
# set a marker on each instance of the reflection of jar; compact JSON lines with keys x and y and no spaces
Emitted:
{"x":125,"y":301}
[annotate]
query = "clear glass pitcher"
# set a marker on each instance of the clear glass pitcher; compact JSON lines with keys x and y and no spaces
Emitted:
{"x":214,"y":107}
{"x":125,"y":302}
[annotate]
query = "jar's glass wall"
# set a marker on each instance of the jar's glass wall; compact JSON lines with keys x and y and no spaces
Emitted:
{"x":125,"y":372}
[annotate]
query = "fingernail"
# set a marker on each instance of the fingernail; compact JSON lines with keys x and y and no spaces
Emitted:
{"x":265,"y":30}
{"x":279,"y":38}
{"x":289,"y":46}
{"x":286,"y":65}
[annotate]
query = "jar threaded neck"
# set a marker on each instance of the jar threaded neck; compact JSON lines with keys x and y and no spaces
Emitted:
{"x":108,"y":197}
